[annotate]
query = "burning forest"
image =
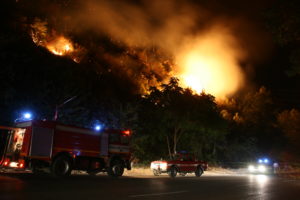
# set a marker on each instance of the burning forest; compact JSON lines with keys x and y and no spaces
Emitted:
{"x":156,"y":41}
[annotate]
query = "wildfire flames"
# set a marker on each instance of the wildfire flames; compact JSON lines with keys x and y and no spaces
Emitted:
{"x":56,"y":44}
{"x":60,"y":46}
{"x":203,"y":58}
{"x":209,"y":64}
{"x":206,"y":63}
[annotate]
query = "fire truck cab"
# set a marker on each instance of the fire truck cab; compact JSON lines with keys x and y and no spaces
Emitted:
{"x":47,"y":146}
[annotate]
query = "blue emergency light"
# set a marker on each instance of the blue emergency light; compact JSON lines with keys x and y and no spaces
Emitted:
{"x":98,"y":127}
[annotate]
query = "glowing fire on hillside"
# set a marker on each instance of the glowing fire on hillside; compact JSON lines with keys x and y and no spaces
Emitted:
{"x":209,"y":64}
{"x":60,"y":46}
{"x":206,"y":62}
{"x":55,"y":43}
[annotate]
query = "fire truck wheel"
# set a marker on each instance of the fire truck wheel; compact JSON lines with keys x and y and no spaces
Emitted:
{"x":155,"y":172}
{"x":116,"y":168}
{"x":199,"y":171}
{"x":61,"y":167}
{"x":172,"y":172}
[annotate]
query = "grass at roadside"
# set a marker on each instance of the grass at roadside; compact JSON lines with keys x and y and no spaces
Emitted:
{"x":138,"y":171}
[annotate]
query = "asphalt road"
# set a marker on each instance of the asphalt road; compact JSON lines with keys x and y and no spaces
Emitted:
{"x":84,"y":187}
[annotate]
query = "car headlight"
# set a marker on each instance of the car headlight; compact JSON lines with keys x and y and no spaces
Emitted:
{"x":262,"y":168}
{"x":153,"y":165}
{"x":163,"y":166}
{"x":251,"y":168}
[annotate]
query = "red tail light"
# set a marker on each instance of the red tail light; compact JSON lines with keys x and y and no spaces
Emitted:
{"x":127,"y":132}
{"x":21,"y":163}
{"x":6,"y":162}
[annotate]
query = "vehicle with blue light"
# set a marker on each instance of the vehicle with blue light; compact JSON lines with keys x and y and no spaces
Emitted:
{"x":56,"y":148}
{"x":181,"y":163}
{"x":262,"y":166}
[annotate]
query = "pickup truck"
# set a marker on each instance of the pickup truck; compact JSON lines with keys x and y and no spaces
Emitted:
{"x":181,"y":164}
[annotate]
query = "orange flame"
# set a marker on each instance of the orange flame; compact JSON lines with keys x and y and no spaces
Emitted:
{"x":210,"y":63}
{"x":60,"y":46}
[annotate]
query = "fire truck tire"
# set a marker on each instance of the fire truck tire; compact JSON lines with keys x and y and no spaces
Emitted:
{"x":116,"y":168}
{"x":199,"y":171}
{"x":61,"y":167}
{"x":155,"y":172}
{"x":172,"y":172}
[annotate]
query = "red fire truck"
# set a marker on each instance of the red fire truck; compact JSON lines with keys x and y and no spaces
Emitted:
{"x":47,"y":146}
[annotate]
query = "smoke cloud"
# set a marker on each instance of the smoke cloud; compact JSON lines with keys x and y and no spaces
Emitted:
{"x":167,"y":38}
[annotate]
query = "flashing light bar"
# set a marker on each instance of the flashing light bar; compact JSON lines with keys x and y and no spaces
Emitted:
{"x":98,"y":127}
{"x":27,"y":115}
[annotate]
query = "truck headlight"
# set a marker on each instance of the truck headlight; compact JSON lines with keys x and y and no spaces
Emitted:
{"x":163,"y":166}
{"x":152,"y":166}
{"x":251,"y":168}
{"x":262,"y":168}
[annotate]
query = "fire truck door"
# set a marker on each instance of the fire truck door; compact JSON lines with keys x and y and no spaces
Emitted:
{"x":41,"y":142}
{"x":104,"y":144}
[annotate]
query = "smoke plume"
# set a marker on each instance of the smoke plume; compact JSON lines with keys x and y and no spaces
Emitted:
{"x":162,"y":39}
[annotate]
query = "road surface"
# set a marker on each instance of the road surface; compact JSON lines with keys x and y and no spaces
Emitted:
{"x":84,"y":187}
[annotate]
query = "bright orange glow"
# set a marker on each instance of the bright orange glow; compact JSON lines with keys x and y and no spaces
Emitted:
{"x":127,"y":132}
{"x":6,"y":162}
{"x":60,"y":46}
{"x":209,"y":63}
{"x":56,"y":44}
{"x":21,"y":163}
